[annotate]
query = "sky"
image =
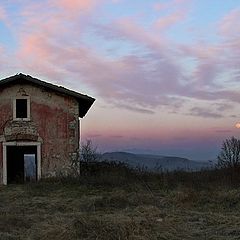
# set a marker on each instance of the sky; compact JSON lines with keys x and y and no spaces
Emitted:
{"x":165,"y":73}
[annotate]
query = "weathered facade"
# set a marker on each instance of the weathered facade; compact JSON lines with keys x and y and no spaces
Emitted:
{"x":39,"y":128}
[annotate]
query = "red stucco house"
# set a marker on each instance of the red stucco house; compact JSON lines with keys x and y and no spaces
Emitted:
{"x":39,"y":128}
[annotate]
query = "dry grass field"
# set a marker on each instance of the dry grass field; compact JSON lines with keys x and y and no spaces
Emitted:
{"x":120,"y":204}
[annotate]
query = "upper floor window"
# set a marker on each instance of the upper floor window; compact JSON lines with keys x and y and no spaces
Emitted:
{"x":21,"y":108}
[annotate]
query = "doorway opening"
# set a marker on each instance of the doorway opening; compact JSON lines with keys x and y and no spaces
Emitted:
{"x":21,"y":164}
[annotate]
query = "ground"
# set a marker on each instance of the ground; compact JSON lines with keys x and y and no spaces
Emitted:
{"x":134,"y":209}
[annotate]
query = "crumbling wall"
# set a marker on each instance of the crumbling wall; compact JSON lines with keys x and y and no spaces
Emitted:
{"x":5,"y":115}
{"x":53,"y":122}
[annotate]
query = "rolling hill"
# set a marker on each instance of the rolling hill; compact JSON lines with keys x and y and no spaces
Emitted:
{"x":155,"y":162}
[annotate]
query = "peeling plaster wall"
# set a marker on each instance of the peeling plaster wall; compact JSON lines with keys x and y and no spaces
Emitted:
{"x":54,"y":122}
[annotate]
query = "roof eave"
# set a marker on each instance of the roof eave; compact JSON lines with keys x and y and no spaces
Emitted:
{"x":81,"y":98}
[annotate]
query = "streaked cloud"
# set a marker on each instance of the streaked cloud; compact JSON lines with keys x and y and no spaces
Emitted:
{"x":140,"y":81}
{"x":204,"y":112}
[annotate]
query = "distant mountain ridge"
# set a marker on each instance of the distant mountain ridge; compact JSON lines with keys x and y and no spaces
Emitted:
{"x":155,"y":162}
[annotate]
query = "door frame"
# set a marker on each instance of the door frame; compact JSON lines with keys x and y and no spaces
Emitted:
{"x":6,"y":144}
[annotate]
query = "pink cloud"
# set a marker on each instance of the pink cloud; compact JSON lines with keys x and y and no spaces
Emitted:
{"x":227,"y":26}
{"x":118,"y":81}
{"x":160,"y":6}
{"x":141,"y":81}
{"x":75,"y":8}
{"x":40,"y":50}
{"x":127,"y":28}
{"x":2,"y":13}
{"x":75,"y":4}
{"x":170,"y":20}
{"x":37,"y":55}
{"x":125,"y":81}
{"x":43,"y":43}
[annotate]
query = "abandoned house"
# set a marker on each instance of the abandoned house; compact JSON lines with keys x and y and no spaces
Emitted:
{"x":39,"y":128}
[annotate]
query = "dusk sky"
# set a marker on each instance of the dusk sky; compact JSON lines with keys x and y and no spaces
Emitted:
{"x":165,"y":74}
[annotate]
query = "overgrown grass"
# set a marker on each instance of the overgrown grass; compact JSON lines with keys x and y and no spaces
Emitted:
{"x":111,"y":201}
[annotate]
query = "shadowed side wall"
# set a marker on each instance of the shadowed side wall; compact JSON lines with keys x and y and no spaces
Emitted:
{"x":1,"y":163}
{"x":54,"y":123}
{"x":5,"y":116}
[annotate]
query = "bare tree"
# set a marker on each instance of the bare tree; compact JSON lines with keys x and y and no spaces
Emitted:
{"x":87,"y":154}
{"x":229,"y":156}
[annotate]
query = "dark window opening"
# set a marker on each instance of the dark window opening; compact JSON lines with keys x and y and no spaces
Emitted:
{"x":21,"y":108}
